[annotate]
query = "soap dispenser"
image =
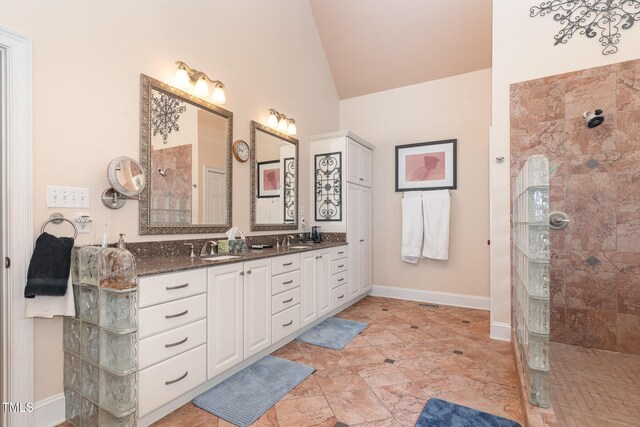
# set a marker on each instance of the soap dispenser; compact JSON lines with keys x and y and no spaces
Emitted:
{"x":121,"y":244}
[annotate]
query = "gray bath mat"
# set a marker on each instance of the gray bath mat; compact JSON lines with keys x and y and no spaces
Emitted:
{"x":244,"y":397}
{"x":334,"y":333}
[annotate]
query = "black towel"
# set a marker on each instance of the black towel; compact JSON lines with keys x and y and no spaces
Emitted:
{"x":49,"y":267}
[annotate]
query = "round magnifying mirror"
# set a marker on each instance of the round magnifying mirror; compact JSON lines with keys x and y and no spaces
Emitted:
{"x":126,"y":176}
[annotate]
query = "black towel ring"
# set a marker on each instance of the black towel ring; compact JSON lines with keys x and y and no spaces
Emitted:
{"x":57,"y":218}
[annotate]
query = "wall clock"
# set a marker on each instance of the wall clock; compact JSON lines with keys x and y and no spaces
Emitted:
{"x":241,"y":150}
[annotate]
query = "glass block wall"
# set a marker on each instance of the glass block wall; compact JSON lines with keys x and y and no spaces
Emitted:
{"x":531,"y":276}
{"x":100,"y":343}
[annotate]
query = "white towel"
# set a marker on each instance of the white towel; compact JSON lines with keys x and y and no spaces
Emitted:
{"x":46,"y":306}
{"x":436,"y":206}
{"x":412,"y":226}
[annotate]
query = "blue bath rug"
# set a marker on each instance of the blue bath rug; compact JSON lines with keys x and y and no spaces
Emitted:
{"x":440,"y":413}
{"x":243,"y":397}
{"x":334,"y":333}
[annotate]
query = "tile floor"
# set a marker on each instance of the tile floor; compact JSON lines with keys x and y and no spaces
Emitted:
{"x":385,"y":376}
{"x":594,"y":388}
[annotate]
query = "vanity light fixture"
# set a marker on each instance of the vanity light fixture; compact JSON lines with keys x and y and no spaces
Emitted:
{"x":187,"y":77}
{"x":281,"y":122}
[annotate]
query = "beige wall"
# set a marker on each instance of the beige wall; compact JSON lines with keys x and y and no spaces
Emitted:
{"x":523,"y":50}
{"x":456,"y":107}
{"x":87,"y":60}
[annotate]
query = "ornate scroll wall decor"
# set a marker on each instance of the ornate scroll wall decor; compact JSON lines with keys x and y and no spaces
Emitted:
{"x":591,"y":18}
{"x":289,"y":189}
{"x":328,"y":191}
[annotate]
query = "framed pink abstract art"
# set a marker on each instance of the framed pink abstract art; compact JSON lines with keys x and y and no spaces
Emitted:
{"x":426,"y":166}
{"x":269,"y":179}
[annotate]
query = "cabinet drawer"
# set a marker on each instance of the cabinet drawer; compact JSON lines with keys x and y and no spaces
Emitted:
{"x":285,"y":264}
{"x":163,"y":317}
{"x":338,"y":266}
{"x":167,"y":344}
{"x":170,"y":379}
{"x":285,"y":323}
{"x":339,"y":279}
{"x":338,"y":253}
{"x":284,"y":282}
{"x":339,"y":296}
{"x":285,"y":300}
{"x":168,"y":287}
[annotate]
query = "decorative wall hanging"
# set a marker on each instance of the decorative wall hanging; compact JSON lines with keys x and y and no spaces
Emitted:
{"x":426,"y":166}
{"x":269,"y":179}
{"x":590,"y":18}
{"x":289,"y":189}
{"x":328,"y":191}
{"x":165,"y":113}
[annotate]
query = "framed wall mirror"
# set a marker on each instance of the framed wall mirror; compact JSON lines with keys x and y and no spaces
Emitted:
{"x":185,"y":151}
{"x":274,"y":180}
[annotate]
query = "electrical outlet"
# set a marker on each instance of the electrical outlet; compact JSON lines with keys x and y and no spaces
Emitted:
{"x":83,"y":223}
{"x":67,"y":197}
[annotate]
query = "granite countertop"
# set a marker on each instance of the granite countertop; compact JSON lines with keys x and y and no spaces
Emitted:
{"x":146,"y":266}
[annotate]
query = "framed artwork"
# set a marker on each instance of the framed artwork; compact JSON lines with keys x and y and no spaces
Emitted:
{"x":269,"y":179}
{"x":426,"y":166}
{"x":328,"y":187}
{"x":289,"y":189}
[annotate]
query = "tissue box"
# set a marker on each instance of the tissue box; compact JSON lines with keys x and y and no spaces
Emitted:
{"x":223,"y":246}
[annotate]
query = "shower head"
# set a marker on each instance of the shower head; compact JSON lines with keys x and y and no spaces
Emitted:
{"x":594,"y":119}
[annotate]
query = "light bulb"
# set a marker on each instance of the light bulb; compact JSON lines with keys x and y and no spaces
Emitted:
{"x":182,"y":78}
{"x":292,"y":128}
{"x":283,"y":125}
{"x":218,"y":95}
{"x":202,"y":88}
{"x":273,"y":120}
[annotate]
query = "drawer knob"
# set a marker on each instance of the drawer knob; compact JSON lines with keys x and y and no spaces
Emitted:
{"x":248,"y":271}
{"x":361,"y":179}
{"x":177,"y":379}
{"x":288,"y":282}
{"x":362,"y":240}
{"x":242,"y":273}
{"x":288,"y":301}
{"x":340,"y":253}
{"x":341,"y":279}
{"x":288,"y":324}
{"x":341,"y":296}
{"x":340,"y":266}
{"x":287,"y":264}
{"x":176,"y":343}
{"x":171,"y":288}
{"x":171,"y":316}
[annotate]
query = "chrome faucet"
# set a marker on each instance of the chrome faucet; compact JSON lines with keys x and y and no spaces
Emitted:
{"x":203,"y":251}
{"x":287,"y":240}
{"x":191,"y":246}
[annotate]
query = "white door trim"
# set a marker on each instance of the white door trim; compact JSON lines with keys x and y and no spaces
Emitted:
{"x":18,"y":200}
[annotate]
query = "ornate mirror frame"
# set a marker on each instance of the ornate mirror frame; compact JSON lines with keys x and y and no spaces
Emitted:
{"x":255,"y":126}
{"x":145,"y":226}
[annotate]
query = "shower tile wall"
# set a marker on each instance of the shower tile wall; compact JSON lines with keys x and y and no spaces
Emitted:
{"x":595,"y":261}
{"x":172,"y":193}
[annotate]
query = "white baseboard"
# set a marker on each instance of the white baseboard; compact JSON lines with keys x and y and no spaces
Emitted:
{"x":49,"y":412}
{"x":444,"y":298}
{"x":500,"y":331}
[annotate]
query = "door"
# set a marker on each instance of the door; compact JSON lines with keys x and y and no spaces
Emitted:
{"x":353,"y":198}
{"x":257,"y":306}
{"x":324,"y":281}
{"x":353,"y":161}
{"x":308,"y":287}
{"x":224,"y":318}
{"x":215,"y":194}
{"x":364,"y":239}
{"x":364,"y":169}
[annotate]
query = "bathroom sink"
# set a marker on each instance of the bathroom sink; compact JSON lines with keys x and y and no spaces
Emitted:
{"x":220,"y":257}
{"x":300,"y":247}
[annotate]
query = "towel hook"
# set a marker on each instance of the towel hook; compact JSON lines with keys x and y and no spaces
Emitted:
{"x":57,"y":218}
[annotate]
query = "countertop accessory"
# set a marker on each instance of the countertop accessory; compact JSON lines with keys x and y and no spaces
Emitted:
{"x":241,"y":150}
{"x":127,"y":180}
{"x":58,"y":218}
{"x":121,"y":244}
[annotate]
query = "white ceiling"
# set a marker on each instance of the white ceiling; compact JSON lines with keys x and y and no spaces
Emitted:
{"x":375,"y":45}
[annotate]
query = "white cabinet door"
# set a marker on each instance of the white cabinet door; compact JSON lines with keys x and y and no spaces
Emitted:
{"x":257,"y":306}
{"x":309,"y":287}
{"x":353,"y":161}
{"x":364,"y":239}
{"x":224,"y":318}
{"x":364,"y":166}
{"x":353,"y":197}
{"x":324,"y":281}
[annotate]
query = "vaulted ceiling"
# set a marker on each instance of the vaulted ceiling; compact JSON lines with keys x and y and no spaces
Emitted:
{"x":375,"y":45}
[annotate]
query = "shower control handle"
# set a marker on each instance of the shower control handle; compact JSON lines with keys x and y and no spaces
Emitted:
{"x":558,"y":220}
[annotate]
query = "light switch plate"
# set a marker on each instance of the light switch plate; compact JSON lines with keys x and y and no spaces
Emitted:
{"x":67,"y":197}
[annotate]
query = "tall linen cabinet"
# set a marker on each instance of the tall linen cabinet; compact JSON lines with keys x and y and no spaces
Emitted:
{"x":341,"y":184}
